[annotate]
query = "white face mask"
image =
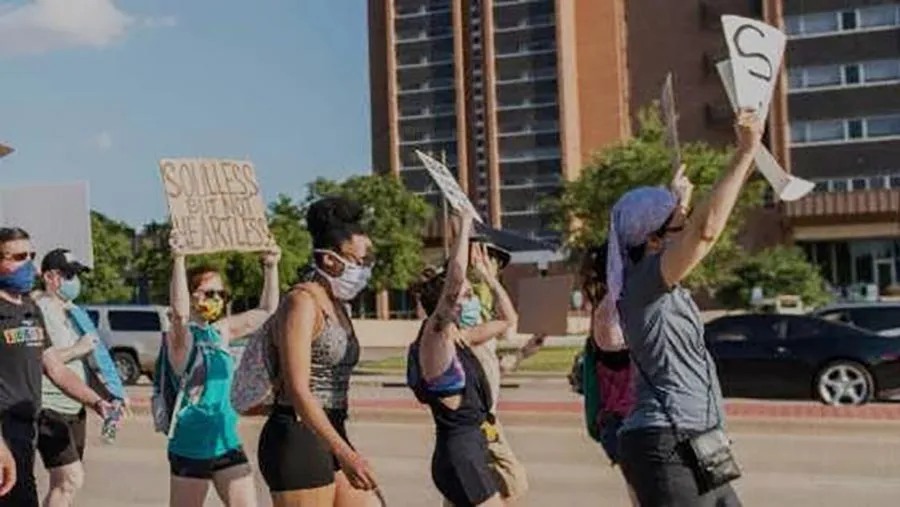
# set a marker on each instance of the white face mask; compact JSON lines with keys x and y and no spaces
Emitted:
{"x":352,"y":280}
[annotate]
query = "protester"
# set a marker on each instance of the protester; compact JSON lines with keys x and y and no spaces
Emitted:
{"x":477,"y":324}
{"x":444,"y":373}
{"x":25,"y":351}
{"x":608,"y":391}
{"x":204,"y":445}
{"x":62,"y":422}
{"x":304,"y":452}
{"x":672,"y":447}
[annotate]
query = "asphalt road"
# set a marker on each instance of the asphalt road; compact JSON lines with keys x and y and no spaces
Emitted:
{"x":797,"y":463}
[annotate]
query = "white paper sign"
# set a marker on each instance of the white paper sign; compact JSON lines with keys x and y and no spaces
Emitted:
{"x":55,"y":216}
{"x":756,"y":50}
{"x":448,"y":185}
{"x":787,"y":187}
{"x":670,"y":118}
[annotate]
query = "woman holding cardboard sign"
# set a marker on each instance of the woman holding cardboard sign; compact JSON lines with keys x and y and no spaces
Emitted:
{"x":672,"y":446}
{"x":204,"y":445}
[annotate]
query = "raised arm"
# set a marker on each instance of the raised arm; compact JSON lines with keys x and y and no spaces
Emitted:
{"x":180,"y":309}
{"x":708,"y":220}
{"x":295,"y":335}
{"x":507,"y":317}
{"x":436,"y":349}
{"x":242,"y":324}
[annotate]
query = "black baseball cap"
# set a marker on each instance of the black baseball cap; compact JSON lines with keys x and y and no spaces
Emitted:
{"x":499,"y":254}
{"x":64,"y":261}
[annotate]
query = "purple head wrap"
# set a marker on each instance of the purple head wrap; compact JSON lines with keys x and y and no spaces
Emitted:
{"x":635,"y":216}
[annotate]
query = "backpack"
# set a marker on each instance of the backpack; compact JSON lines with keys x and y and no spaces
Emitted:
{"x":167,"y":392}
{"x":590,"y":389}
{"x":253,"y":387}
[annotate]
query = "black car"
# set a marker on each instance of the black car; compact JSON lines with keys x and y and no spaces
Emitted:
{"x":773,"y":356}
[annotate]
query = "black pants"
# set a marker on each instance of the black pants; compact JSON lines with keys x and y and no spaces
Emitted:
{"x":658,"y":468}
{"x":20,"y":438}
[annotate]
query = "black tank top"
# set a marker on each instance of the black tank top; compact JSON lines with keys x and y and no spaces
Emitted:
{"x":474,"y":408}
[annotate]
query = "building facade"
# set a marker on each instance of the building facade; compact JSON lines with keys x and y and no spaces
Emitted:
{"x":843,"y":67}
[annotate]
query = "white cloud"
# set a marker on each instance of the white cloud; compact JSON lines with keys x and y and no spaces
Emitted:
{"x":46,"y":25}
{"x":102,"y":141}
{"x":161,"y":22}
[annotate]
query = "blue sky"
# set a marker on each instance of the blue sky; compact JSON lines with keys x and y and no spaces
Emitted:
{"x":100,"y":90}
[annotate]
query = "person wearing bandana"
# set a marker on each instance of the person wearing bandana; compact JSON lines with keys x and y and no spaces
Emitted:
{"x":654,"y":243}
{"x":204,"y":445}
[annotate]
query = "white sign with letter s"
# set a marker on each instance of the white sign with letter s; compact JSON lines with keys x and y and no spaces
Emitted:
{"x":787,"y":187}
{"x":756,"y":50}
{"x":448,"y":185}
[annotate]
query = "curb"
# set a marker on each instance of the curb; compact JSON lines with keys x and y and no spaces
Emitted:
{"x":393,"y":408}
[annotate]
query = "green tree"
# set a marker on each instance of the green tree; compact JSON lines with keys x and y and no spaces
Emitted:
{"x":395,"y":220}
{"x":641,"y":161}
{"x":108,"y":282}
{"x":781,"y":270}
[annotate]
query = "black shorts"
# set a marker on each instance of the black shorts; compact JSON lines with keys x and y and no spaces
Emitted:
{"x":292,"y":456}
{"x":20,"y":436}
{"x":658,"y":468}
{"x":191,"y":468}
{"x":61,"y":437}
{"x":461,"y":471}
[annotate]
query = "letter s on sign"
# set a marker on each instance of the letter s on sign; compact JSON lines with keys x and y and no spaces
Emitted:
{"x":737,"y":44}
{"x":173,"y":189}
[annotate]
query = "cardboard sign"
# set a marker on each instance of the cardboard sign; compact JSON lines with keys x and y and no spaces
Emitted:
{"x":543,"y":305}
{"x":55,"y":216}
{"x":215,"y":205}
{"x":787,"y":187}
{"x":670,"y":119}
{"x":756,"y":50}
{"x":448,"y":185}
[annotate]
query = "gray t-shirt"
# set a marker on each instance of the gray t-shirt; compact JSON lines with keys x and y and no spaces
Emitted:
{"x":664,"y":331}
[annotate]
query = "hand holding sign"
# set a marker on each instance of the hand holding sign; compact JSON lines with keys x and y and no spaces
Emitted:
{"x":787,"y":187}
{"x":756,"y":50}
{"x":448,"y":185}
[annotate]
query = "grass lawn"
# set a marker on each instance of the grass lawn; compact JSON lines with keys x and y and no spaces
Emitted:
{"x":551,"y":360}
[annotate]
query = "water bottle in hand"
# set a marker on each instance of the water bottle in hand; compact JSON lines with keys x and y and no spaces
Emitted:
{"x":111,"y":423}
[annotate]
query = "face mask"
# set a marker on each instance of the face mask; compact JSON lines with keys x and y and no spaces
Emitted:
{"x":70,"y":288}
{"x":210,"y":309}
{"x":351,"y":282}
{"x":20,"y":281}
{"x":470,"y":312}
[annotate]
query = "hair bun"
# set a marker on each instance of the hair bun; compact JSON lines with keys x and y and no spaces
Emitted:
{"x":330,"y":212}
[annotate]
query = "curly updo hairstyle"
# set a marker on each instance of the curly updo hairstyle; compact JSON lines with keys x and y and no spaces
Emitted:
{"x":331,"y":221}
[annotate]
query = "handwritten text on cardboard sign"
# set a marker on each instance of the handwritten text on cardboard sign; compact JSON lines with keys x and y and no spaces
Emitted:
{"x":215,"y":205}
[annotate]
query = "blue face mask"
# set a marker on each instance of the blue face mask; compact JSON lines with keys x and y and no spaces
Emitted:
{"x":70,"y":288}
{"x":470,"y":312}
{"x":20,"y":281}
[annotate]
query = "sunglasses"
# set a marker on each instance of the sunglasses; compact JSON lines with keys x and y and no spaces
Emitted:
{"x":20,"y":257}
{"x":215,"y":294}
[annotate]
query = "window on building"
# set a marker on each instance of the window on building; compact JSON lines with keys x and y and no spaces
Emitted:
{"x":798,"y":132}
{"x":827,"y":75}
{"x":884,"y":126}
{"x":828,"y":130}
{"x":848,"y":20}
{"x":851,"y":74}
{"x":855,"y":129}
{"x":839,"y":185}
{"x":894,"y":181}
{"x":795,"y":78}
{"x":793,"y":25}
{"x":882,"y":70}
{"x":877,"y":182}
{"x":820,"y":22}
{"x":878,"y":16}
{"x":858,"y":184}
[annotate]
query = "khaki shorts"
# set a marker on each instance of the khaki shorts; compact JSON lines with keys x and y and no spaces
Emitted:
{"x":508,"y":471}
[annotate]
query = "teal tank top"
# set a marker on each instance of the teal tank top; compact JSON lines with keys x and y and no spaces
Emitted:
{"x":207,"y":425}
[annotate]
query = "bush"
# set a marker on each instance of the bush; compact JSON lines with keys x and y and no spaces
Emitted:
{"x":779,"y":271}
